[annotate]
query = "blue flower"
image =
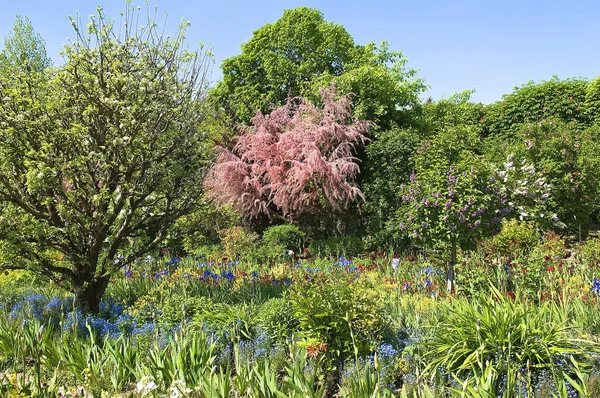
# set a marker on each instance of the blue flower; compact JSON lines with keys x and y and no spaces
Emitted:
{"x":228,"y":275}
{"x":596,"y":285}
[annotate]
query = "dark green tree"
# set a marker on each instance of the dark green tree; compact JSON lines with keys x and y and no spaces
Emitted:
{"x":99,"y":157}
{"x":300,"y":54}
{"x":533,"y":102}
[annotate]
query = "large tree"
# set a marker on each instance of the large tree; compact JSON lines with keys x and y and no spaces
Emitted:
{"x":24,"y":48}
{"x":99,"y":157}
{"x":301,"y":53}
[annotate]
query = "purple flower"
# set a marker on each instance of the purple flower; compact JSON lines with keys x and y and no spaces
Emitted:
{"x":448,"y":205}
{"x":413,"y":176}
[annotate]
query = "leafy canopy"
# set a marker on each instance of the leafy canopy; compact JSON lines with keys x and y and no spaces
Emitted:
{"x":99,"y":157}
{"x":300,"y":54}
{"x":24,"y":48}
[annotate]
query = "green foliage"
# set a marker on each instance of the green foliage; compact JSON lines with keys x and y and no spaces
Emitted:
{"x":453,"y":194}
{"x":279,"y":61}
{"x":178,"y":308}
{"x":344,"y":245}
{"x":592,"y":101}
{"x":560,"y":151}
{"x":201,"y":227}
{"x":531,"y":103}
{"x":286,"y":237}
{"x":457,"y":110}
{"x":238,"y":243}
{"x":516,"y":237}
{"x":590,"y":252}
{"x":301,"y":53}
{"x":383,"y":87}
{"x":505,"y":334}
{"x":277,"y":318}
{"x":108,"y":152}
{"x":341,"y":316}
{"x":24,"y":49}
{"x":389,"y":164}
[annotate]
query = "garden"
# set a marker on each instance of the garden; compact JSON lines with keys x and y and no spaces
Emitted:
{"x":308,"y":226}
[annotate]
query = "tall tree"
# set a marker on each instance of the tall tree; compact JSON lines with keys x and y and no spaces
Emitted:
{"x":100,"y":157}
{"x":300,"y":54}
{"x":24,"y":48}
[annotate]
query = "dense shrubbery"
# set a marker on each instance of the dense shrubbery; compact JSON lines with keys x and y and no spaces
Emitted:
{"x":371,"y":325}
{"x":270,"y":291}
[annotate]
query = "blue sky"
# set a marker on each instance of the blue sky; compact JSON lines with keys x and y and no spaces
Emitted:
{"x":490,"y":46}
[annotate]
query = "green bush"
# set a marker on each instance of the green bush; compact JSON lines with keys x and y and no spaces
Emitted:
{"x":516,"y":236}
{"x":346,"y":245}
{"x":277,"y":319}
{"x":343,"y":312}
{"x":288,"y":237}
{"x":238,"y":243}
{"x":590,"y":252}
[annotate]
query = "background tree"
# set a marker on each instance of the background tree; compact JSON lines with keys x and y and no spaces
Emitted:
{"x":296,"y":161}
{"x":390,"y":161}
{"x":100,"y":157}
{"x":301,"y":53}
{"x":24,"y":48}
{"x":533,"y":102}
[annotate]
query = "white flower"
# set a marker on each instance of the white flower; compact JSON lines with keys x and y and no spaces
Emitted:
{"x":395,"y":263}
{"x":178,"y":389}
{"x":291,"y":253}
{"x":145,"y":386}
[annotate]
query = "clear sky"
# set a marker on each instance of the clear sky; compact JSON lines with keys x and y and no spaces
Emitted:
{"x":490,"y":46}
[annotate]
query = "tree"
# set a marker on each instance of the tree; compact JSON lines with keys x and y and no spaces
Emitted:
{"x":390,"y":159}
{"x":553,"y":99}
{"x":302,"y":53}
{"x":24,"y":48}
{"x":562,"y":152}
{"x":455,"y":197}
{"x":99,"y":157}
{"x":298,"y":160}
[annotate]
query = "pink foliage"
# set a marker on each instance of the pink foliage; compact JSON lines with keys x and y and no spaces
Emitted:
{"x":292,"y":160}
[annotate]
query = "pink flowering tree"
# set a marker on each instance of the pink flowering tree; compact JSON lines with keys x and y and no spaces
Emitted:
{"x":298,"y":160}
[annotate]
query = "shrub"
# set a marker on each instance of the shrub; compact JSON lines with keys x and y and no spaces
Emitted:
{"x":346,"y":245}
{"x":277,"y":319}
{"x":516,"y":236}
{"x":344,"y":312}
{"x":237,"y":242}
{"x":288,"y":237}
{"x":590,"y":252}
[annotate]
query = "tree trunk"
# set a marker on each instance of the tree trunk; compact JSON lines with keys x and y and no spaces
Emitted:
{"x":451,"y":275}
{"x":89,"y":295}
